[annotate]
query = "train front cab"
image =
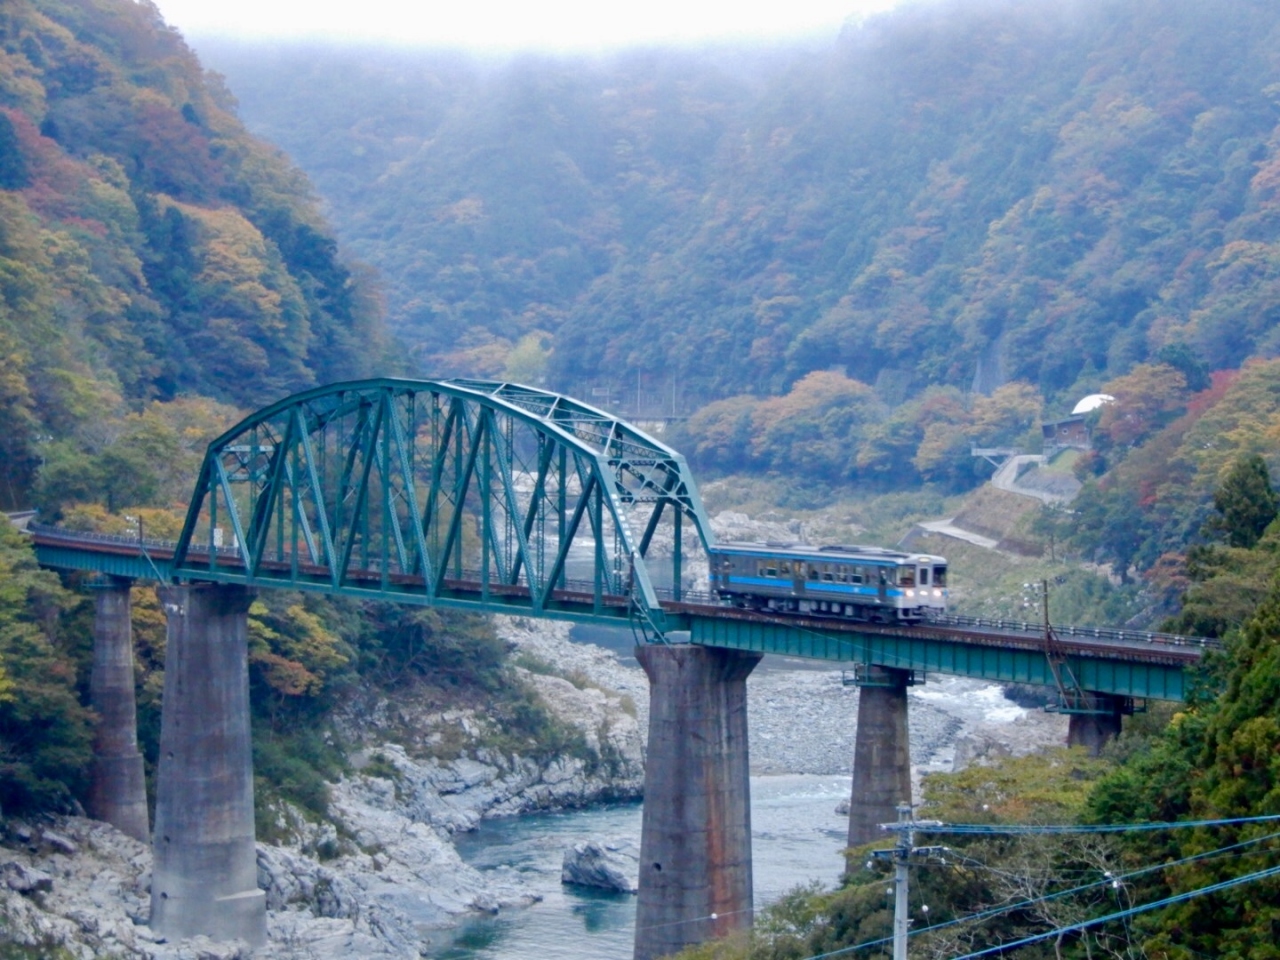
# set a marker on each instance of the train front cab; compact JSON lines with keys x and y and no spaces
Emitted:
{"x":922,"y":584}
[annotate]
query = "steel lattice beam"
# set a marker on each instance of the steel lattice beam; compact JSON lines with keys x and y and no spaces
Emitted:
{"x":430,"y":488}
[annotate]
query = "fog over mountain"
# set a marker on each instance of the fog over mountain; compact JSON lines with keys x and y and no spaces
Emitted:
{"x":951,"y":193}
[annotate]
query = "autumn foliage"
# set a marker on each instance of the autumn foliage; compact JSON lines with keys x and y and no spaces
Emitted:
{"x":149,"y":247}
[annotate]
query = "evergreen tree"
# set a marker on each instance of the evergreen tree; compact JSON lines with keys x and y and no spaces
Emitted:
{"x":1244,"y":504}
{"x":13,"y":168}
{"x":45,"y":732}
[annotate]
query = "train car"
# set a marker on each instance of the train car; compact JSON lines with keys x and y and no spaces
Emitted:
{"x":853,"y":582}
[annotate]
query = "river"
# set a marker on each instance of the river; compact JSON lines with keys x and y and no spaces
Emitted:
{"x":801,"y":719}
{"x":796,"y":839}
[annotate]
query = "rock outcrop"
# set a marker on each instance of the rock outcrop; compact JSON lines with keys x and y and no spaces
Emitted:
{"x":606,"y":864}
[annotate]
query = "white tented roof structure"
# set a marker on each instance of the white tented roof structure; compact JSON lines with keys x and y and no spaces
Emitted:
{"x":1092,"y":402}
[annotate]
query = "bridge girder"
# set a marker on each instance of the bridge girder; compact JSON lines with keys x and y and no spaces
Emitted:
{"x":436,"y":490}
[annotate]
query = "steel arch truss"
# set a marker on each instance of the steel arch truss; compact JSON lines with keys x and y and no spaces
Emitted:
{"x":457,"y":492}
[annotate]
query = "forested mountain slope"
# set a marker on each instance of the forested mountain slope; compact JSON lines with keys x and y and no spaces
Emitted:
{"x":490,"y":196}
{"x":161,"y":271}
{"x":954,"y":193}
{"x":149,"y":247}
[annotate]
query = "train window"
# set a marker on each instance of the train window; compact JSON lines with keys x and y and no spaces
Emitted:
{"x":906,"y":577}
{"x":939,"y":576}
{"x":856,"y":576}
{"x":784,"y":568}
{"x":827,"y":575}
{"x":924,"y":576}
{"x":813,"y":573}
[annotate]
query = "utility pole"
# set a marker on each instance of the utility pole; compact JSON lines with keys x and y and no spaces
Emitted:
{"x":901,"y":855}
{"x":1044,"y":591}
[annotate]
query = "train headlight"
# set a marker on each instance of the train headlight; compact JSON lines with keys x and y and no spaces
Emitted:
{"x":911,"y":593}
{"x":937,"y":593}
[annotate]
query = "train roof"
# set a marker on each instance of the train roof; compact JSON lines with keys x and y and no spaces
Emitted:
{"x":841,"y":552}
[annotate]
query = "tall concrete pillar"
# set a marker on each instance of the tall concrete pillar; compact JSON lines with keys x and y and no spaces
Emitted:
{"x":118,"y":792}
{"x":1096,"y":729}
{"x":695,"y":845}
{"x":881,"y":754}
{"x":205,"y":876}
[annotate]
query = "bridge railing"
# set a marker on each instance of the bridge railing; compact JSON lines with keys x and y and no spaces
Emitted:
{"x":466,"y":575}
{"x":1085,"y":633}
{"x":1010,"y":625}
{"x":686,"y":595}
{"x":123,"y":539}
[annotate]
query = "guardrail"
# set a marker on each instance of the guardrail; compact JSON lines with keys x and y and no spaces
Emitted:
{"x":123,"y":539}
{"x":1086,"y":633}
{"x":686,"y":596}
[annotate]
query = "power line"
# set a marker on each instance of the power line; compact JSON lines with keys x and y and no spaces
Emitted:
{"x":996,"y":911}
{"x":935,"y":826}
{"x":1026,"y":829}
{"x":1132,"y":911}
{"x":1117,"y":878}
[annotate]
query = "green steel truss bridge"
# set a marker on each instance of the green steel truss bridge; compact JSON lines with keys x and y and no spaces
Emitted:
{"x":501,"y":498}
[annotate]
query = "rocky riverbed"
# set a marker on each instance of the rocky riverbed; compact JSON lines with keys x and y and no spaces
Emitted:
{"x":384,"y":872}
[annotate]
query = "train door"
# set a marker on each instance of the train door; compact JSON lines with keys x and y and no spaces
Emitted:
{"x":724,"y":566}
{"x":882,"y":579}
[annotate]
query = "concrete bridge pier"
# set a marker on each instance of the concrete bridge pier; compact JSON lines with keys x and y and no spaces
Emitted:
{"x":881,"y":753}
{"x":695,"y":846}
{"x":205,"y":875}
{"x":1098,"y":725}
{"x":118,"y":791}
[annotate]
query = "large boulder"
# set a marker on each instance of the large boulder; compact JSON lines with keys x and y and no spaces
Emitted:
{"x":21,"y":878}
{"x":605,"y":864}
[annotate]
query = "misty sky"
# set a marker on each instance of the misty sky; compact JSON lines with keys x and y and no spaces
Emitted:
{"x":515,"y":24}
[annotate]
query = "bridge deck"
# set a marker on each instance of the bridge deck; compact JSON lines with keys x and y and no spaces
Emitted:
{"x":1144,"y":668}
{"x":1121,"y":663}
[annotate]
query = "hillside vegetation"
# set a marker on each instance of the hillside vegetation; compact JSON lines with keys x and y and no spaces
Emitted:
{"x":849,"y":262}
{"x":149,"y":247}
{"x":162,"y":272}
{"x":951,"y":194}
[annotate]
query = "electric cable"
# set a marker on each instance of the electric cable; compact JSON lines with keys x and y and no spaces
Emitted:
{"x":995,"y":911}
{"x":1064,"y":828}
{"x":1121,"y":878}
{"x":1132,"y":911}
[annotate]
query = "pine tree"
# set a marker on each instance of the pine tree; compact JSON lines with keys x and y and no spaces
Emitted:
{"x":1244,"y":504}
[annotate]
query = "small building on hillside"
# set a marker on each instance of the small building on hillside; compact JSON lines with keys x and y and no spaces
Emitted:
{"x":1072,"y":432}
{"x":1066,"y":432}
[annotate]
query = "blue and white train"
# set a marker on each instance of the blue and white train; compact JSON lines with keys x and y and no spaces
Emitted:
{"x":857,"y":583}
